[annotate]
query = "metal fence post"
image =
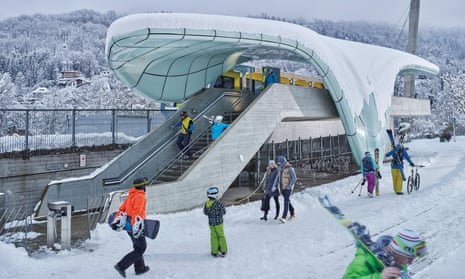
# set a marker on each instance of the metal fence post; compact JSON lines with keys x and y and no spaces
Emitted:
{"x":73,"y":128}
{"x":149,"y":121}
{"x":113,"y":126}
{"x":26,"y":136}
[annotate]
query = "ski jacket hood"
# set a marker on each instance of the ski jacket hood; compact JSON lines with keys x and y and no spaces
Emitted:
{"x":282,"y":162}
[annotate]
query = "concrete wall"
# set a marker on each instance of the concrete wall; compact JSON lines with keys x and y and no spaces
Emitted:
{"x":23,"y":181}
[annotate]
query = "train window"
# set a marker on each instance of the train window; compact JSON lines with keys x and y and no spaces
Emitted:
{"x":255,"y":87}
{"x":224,"y":82}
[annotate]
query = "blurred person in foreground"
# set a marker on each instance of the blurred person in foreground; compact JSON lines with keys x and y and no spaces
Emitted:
{"x":404,"y":248}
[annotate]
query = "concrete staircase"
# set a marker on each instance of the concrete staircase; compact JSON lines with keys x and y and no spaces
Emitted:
{"x":221,"y":163}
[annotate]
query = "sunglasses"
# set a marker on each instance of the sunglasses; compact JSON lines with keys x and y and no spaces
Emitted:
{"x":417,"y":251}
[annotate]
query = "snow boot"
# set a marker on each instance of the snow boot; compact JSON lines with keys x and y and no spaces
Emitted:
{"x":146,"y":268}
{"x":120,"y":271}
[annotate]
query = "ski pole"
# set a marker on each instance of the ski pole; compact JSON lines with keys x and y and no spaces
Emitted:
{"x":360,"y":193}
{"x":356,"y":186}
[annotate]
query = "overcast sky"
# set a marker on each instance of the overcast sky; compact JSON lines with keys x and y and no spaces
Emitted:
{"x":438,"y":13}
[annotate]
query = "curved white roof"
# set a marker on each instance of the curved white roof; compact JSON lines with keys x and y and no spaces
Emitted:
{"x":169,"y":57}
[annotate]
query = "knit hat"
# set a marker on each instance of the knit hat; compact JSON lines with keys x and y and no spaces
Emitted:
{"x":408,"y":243}
{"x":140,"y":182}
{"x":271,"y":162}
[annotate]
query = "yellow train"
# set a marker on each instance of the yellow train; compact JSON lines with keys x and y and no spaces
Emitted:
{"x":255,"y":81}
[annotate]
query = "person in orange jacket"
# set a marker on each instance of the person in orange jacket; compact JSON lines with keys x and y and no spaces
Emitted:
{"x":130,"y":217}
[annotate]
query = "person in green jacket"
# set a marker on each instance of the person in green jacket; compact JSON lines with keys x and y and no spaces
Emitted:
{"x":404,"y":247}
{"x":215,"y":210}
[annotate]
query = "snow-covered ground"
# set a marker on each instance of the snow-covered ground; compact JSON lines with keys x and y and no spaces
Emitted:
{"x":313,"y":245}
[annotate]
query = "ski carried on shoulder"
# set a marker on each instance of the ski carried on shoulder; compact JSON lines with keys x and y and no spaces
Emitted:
{"x":361,"y":235}
{"x":391,"y":137}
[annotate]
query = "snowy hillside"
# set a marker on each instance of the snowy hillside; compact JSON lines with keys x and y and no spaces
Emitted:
{"x":35,"y":49}
{"x":312,"y":246}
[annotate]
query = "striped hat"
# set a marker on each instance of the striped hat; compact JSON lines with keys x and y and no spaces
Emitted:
{"x":408,"y":243}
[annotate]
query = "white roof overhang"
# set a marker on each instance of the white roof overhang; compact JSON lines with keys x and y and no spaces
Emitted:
{"x":170,"y":57}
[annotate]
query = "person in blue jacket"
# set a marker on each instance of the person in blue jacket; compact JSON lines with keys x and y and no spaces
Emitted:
{"x":398,"y":154}
{"x":218,"y":127}
{"x":270,"y":77}
{"x":368,"y":169}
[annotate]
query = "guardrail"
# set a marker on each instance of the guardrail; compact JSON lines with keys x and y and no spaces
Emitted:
{"x":38,"y":129}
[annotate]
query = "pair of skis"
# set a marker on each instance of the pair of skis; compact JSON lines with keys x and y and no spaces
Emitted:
{"x":361,"y":236}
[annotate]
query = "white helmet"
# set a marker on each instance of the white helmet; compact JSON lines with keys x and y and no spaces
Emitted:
{"x":212,"y":192}
{"x":218,"y":119}
{"x":403,"y":127}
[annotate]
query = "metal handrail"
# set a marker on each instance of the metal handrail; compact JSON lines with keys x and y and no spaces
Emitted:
{"x":247,"y":198}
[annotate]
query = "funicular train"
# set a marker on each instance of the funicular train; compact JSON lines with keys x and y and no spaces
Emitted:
{"x":254,"y":79}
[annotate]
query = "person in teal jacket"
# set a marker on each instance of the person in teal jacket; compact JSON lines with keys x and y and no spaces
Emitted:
{"x":218,"y":127}
{"x":404,"y":247}
{"x":368,"y":168}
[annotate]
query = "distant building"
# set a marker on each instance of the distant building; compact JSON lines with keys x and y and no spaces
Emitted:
{"x":71,"y":78}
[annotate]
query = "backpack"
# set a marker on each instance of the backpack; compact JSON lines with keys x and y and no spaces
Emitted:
{"x":367,"y":164}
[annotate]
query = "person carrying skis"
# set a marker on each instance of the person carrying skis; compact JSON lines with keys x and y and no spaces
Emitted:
{"x":368,"y":169}
{"x":215,"y":210}
{"x":404,"y":248}
{"x":131,"y":215}
{"x":398,"y":154}
{"x":287,"y":179}
{"x":271,"y":189}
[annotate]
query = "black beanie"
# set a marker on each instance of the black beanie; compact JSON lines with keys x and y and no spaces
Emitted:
{"x":140,"y":182}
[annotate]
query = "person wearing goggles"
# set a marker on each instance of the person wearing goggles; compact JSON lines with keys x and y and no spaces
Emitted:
{"x":404,"y":247}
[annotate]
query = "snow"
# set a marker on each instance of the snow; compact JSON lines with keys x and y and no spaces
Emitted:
{"x":313,"y":245}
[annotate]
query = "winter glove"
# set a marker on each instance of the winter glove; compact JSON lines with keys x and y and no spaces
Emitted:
{"x":412,"y":164}
{"x":363,"y":181}
{"x":138,"y":227}
{"x":119,"y":222}
{"x":379,"y":175}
